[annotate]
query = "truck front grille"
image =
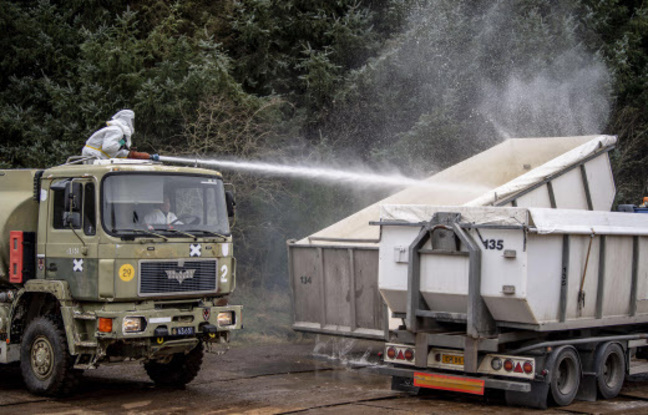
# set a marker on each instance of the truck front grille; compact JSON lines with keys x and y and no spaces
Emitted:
{"x":177,"y":277}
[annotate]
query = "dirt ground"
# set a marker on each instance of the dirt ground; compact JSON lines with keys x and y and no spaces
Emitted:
{"x":278,"y":379}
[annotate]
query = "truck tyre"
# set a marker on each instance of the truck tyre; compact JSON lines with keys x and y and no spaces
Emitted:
{"x":610,"y":368}
{"x":566,"y":374}
{"x":181,"y":370}
{"x":45,"y":363}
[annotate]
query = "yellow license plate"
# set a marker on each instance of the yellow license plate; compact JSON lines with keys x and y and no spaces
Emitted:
{"x":450,"y":359}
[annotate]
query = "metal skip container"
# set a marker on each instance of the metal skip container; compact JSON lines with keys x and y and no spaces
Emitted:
{"x":334,"y":272}
{"x":533,"y":268}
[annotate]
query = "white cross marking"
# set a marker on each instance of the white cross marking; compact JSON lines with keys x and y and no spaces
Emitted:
{"x":78,"y":265}
{"x":195,"y":250}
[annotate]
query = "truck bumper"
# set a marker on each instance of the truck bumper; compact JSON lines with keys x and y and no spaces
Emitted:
{"x":458,"y":383}
{"x":171,"y":322}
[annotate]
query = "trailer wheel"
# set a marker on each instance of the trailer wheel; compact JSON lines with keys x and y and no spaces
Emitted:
{"x":180,"y":370}
{"x":45,"y":363}
{"x":610,"y":369}
{"x":565,"y":376}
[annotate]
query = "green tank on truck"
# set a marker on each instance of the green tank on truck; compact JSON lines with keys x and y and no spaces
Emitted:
{"x":90,"y":274}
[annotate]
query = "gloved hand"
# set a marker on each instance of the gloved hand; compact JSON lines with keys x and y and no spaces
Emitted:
{"x":155,"y":157}
{"x":139,"y":155}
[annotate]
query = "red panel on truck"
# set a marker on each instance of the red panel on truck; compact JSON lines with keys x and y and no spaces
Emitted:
{"x":16,"y":257}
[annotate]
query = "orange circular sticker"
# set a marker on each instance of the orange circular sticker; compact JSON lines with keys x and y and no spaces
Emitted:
{"x":126,"y":272}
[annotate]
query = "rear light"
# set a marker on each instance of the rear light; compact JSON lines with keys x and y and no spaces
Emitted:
{"x":409,"y":354}
{"x":528,"y":367}
{"x":105,"y":325}
{"x":391,"y":353}
{"x":496,"y":363}
{"x":508,"y":365}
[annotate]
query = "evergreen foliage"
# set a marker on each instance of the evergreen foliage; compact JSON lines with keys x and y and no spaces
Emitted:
{"x":623,"y":28}
{"x":416,"y":84}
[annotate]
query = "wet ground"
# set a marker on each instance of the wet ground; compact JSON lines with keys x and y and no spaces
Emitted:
{"x":277,"y":379}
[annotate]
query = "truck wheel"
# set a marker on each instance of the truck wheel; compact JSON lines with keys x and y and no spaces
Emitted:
{"x":565,"y":376}
{"x":610,"y":368}
{"x":45,"y":363}
{"x":181,"y":370}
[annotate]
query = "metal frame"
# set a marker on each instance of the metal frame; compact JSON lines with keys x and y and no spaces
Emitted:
{"x":564,"y":280}
{"x":489,"y":382}
{"x":478,"y":320}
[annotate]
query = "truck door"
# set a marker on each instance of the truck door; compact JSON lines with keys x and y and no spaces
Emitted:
{"x":72,"y":241}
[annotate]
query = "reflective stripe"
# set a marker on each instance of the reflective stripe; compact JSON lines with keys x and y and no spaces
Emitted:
{"x":449,"y":383}
{"x":99,"y":150}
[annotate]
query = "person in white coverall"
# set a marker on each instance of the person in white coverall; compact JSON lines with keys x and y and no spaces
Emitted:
{"x":114,"y":140}
{"x":161,"y":215}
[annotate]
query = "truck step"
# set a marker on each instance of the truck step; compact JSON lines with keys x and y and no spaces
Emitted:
{"x":85,"y":316}
{"x":85,"y":344}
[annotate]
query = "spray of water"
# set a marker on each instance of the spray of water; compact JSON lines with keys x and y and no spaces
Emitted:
{"x":349,"y":352}
{"x":325,"y":174}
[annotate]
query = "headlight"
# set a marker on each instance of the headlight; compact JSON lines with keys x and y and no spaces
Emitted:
{"x":225,"y":319}
{"x":133,"y":324}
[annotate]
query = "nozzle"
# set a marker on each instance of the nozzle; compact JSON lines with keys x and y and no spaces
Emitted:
{"x":139,"y":155}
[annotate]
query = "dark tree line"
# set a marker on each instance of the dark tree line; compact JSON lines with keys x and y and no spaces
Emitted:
{"x":410,"y":84}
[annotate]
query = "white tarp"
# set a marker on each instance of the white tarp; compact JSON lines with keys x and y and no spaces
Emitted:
{"x":504,"y":169}
{"x":573,"y":221}
{"x":486,"y":215}
{"x":548,"y":169}
{"x":540,"y":220}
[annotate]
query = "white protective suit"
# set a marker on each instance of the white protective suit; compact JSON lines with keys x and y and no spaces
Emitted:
{"x":158,"y":217}
{"x":114,"y":140}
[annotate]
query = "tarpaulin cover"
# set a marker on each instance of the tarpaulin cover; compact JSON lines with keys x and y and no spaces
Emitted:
{"x":504,"y":169}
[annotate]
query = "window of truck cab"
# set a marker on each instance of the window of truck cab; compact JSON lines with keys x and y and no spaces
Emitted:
{"x":85,"y":207}
{"x":132,"y":203}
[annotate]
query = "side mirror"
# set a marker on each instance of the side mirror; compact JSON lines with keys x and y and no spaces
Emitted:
{"x":231,"y":204}
{"x":73,"y":197}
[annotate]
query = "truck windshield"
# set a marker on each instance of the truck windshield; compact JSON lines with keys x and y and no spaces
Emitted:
{"x":163,"y":204}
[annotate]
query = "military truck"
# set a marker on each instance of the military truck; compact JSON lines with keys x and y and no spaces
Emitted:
{"x":86,"y":278}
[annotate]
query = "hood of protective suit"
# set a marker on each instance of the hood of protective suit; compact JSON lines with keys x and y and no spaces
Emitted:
{"x":124,"y":119}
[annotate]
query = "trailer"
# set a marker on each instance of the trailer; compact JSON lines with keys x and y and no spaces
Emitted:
{"x":334,"y":272}
{"x":510,"y":274}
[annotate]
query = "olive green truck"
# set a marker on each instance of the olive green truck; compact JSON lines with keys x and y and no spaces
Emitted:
{"x":89,"y":275}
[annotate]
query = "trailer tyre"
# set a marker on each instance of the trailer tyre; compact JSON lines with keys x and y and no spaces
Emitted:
{"x":45,"y":363}
{"x":566,"y":376}
{"x":180,"y":370}
{"x":610,"y":367}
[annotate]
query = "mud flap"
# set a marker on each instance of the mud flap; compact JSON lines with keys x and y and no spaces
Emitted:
{"x":588,"y":389}
{"x":537,"y":398}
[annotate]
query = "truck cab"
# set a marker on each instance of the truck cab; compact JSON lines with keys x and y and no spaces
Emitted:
{"x":133,"y":261}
